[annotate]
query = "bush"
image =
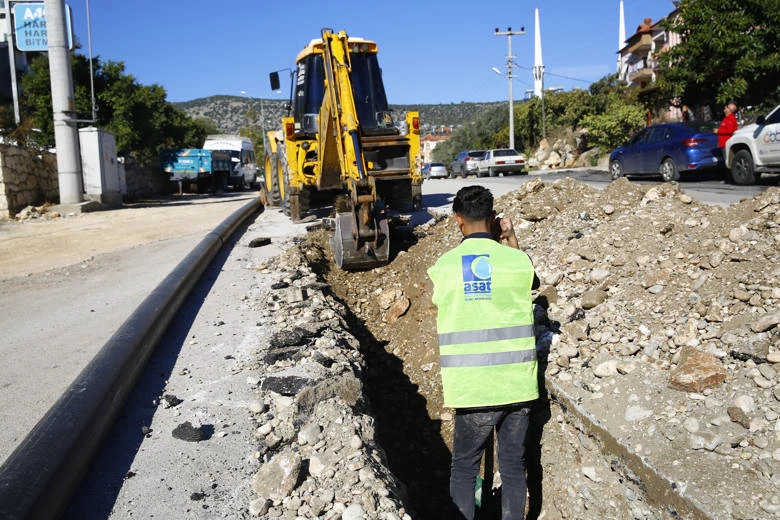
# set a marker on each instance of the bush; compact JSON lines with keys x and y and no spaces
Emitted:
{"x":610,"y":129}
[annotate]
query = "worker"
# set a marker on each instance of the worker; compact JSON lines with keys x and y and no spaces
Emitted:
{"x":728,"y":125}
{"x":485,"y":324}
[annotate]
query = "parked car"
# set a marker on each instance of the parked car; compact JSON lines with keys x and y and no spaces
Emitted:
{"x":754,"y":149}
{"x":434,"y":170}
{"x":465,"y":163}
{"x":668,"y":149}
{"x":501,"y":160}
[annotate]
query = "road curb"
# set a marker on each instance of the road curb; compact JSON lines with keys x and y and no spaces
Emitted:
{"x":658,"y":488}
{"x":39,"y":477}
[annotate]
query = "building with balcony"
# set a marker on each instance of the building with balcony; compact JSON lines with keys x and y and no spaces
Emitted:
{"x":638,"y":58}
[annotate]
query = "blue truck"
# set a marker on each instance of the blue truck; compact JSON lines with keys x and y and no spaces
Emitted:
{"x":205,"y":170}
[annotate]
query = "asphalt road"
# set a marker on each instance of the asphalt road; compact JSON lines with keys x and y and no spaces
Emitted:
{"x":707,"y":188}
{"x":55,"y":319}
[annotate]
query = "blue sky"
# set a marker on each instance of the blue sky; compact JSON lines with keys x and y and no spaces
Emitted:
{"x":430,"y":51}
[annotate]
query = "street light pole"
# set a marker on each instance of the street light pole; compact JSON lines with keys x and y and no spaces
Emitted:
{"x":509,"y":66}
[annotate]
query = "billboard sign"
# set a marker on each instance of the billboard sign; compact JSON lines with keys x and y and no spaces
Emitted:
{"x":30,"y":27}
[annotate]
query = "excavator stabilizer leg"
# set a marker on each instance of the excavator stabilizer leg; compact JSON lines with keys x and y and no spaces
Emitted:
{"x":351,"y":253}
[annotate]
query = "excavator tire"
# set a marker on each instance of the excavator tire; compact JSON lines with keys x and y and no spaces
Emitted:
{"x":346,"y":254}
{"x":286,"y":204}
{"x":275,"y":194}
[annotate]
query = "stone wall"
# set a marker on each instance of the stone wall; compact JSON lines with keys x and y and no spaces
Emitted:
{"x":26,"y":178}
{"x":30,"y":179}
{"x":144,"y":181}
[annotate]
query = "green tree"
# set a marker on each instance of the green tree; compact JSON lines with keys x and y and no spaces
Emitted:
{"x":729,"y":51}
{"x":609,"y":109}
{"x":138,"y":115}
{"x":612,"y":127}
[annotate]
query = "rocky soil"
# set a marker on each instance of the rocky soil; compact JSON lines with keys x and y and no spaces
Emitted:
{"x":662,"y":373}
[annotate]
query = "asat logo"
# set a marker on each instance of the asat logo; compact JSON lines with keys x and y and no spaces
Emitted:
{"x":772,"y":136}
{"x":477,"y":272}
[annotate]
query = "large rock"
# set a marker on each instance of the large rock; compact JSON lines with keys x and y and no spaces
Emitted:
{"x":397,"y":309}
{"x":766,"y":322}
{"x":277,"y":478}
{"x":592,"y":298}
{"x":696,"y":371}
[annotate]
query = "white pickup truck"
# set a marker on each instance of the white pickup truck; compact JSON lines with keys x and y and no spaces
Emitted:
{"x":754,"y":149}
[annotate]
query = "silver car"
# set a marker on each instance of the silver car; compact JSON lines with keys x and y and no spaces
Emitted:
{"x":434,"y":170}
{"x":465,"y":163}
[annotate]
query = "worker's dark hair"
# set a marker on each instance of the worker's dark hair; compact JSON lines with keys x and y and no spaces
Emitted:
{"x":473,"y":203}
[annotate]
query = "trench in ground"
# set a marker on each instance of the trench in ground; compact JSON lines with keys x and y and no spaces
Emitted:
{"x":418,"y":444}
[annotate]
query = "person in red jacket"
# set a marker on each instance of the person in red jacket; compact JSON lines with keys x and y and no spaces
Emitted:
{"x":728,"y":126}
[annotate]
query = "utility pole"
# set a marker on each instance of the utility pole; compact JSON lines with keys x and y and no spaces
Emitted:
{"x":10,"y":40}
{"x":66,"y":137}
{"x":510,"y":63}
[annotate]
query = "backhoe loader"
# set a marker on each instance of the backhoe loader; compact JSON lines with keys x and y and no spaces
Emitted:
{"x":339,"y":137}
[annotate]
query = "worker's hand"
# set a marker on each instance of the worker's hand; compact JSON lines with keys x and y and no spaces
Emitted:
{"x":506,"y":231}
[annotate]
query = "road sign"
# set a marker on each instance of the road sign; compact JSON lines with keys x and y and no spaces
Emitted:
{"x":30,"y":26}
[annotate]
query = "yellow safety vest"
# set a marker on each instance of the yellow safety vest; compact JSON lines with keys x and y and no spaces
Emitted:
{"x":485,"y":324}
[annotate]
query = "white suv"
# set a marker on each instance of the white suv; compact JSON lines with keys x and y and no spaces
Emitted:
{"x":754,"y":149}
{"x":465,"y":163}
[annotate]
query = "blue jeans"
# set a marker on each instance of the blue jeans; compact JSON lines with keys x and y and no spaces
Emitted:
{"x":472,"y":430}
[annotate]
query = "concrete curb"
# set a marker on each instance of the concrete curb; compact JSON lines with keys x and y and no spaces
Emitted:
{"x":39,"y":477}
{"x":659,"y":489}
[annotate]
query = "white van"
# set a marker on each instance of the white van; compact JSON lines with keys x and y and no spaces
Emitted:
{"x":242,"y":153}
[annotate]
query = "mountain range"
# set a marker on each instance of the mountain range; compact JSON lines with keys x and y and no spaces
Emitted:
{"x":231,"y":113}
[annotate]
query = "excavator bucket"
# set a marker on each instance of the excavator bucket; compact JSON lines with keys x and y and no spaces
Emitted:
{"x":350,"y":253}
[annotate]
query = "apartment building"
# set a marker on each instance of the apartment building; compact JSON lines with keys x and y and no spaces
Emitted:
{"x":638,"y":58}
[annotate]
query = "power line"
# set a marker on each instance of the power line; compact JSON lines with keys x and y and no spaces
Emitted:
{"x":546,"y":72}
{"x":567,"y":77}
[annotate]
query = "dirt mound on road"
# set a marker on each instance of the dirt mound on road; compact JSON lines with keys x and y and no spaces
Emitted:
{"x":667,"y":313}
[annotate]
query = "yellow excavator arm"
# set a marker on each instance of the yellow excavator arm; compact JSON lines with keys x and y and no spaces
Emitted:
{"x":341,"y":136}
{"x":338,"y":116}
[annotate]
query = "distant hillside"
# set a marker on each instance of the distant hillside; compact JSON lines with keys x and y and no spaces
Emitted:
{"x":230,"y":113}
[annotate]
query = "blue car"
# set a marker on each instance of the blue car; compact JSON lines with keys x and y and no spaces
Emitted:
{"x":667,"y":150}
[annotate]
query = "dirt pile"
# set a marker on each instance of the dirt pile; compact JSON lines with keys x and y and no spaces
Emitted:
{"x":666,"y":358}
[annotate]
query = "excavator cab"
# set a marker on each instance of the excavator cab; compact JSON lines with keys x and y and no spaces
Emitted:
{"x":368,"y":91}
{"x":341,"y":135}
